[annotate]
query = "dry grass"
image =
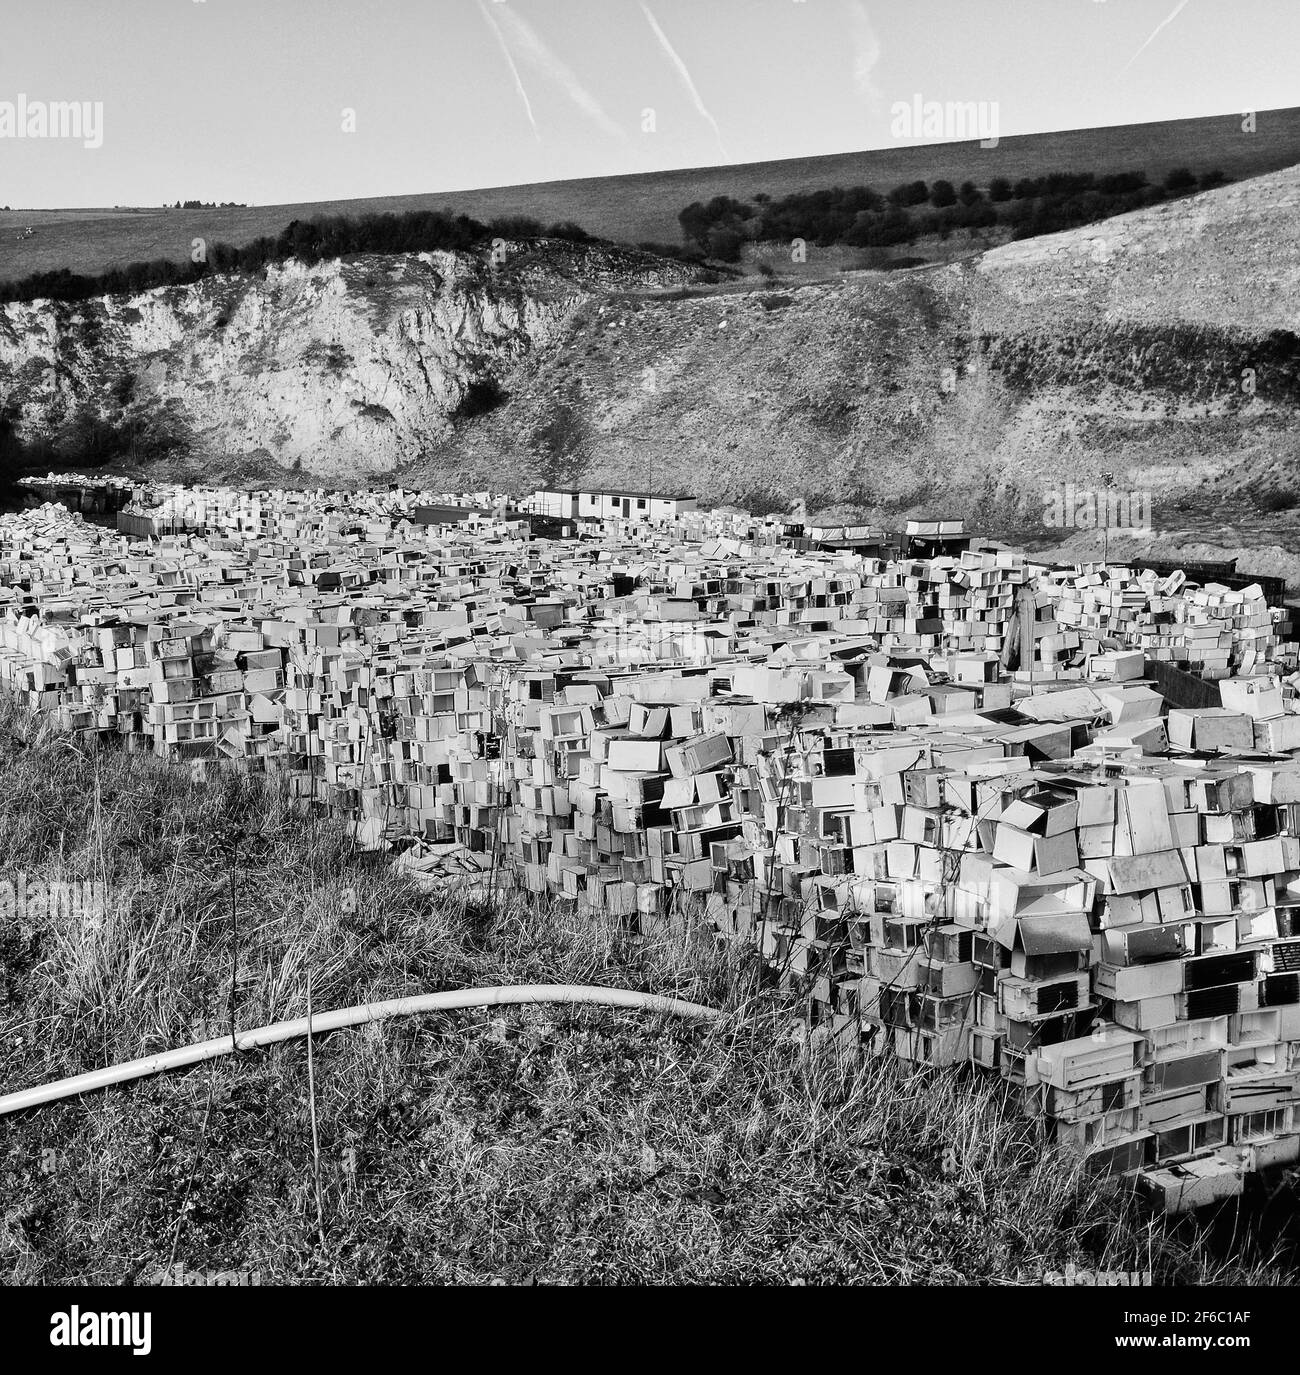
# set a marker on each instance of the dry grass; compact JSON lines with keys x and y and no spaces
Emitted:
{"x":531,"y":1145}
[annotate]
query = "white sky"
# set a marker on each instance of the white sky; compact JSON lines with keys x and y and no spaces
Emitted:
{"x":242,"y":99}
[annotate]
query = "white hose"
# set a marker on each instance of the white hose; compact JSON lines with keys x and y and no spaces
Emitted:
{"x":348,"y":1016}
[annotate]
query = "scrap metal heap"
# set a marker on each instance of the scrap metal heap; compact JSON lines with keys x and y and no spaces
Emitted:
{"x":1045,"y":869}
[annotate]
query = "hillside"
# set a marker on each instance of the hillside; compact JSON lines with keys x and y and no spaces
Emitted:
{"x":644,"y":207}
{"x":1119,"y":348}
{"x":1069,"y":356}
{"x":1159,"y":347}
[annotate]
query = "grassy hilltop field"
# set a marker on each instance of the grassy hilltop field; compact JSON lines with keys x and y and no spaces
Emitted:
{"x":644,"y":207}
{"x":523,"y":1146}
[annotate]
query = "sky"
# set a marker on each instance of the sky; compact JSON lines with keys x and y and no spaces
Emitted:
{"x":245,"y":100}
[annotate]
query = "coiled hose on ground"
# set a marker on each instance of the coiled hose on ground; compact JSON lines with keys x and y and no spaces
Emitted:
{"x":346,"y":1017}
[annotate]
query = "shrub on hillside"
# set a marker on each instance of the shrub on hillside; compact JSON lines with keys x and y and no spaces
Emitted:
{"x":482,"y":395}
{"x":725,"y":244}
{"x":516,"y":227}
{"x":567,"y":229}
{"x":1180,"y":181}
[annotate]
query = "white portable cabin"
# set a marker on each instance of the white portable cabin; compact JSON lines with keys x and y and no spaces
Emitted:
{"x":610,"y":504}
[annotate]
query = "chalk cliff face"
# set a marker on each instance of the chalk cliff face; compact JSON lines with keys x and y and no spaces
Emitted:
{"x":343,"y":369}
{"x":1158,"y":351}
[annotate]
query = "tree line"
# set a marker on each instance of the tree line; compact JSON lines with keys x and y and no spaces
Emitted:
{"x":862,"y":217}
{"x":309,"y":241}
{"x":717,"y":229}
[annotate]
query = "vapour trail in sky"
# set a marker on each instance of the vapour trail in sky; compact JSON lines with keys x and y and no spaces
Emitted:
{"x":514,"y":70}
{"x":544,"y":59}
{"x":1164,"y":24}
{"x":684,"y":72}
